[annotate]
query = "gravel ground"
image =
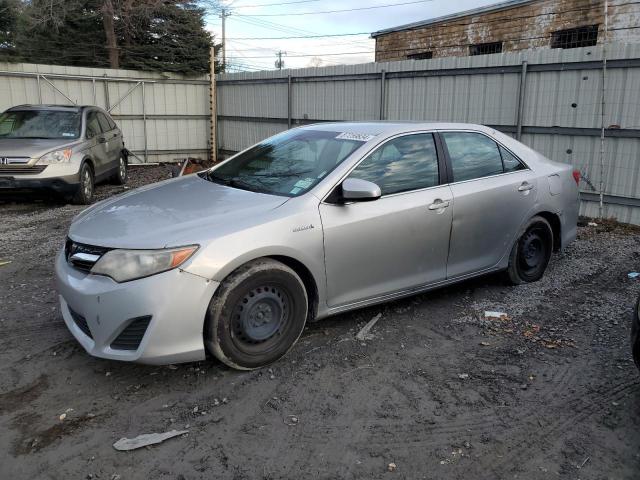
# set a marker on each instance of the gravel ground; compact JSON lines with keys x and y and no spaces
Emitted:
{"x":440,"y":392}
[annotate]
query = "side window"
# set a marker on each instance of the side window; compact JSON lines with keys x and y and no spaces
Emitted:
{"x":510,"y":161}
{"x":112,"y":124}
{"x":405,"y":163}
{"x":93,"y":126}
{"x":472,"y":155}
{"x":104,"y":123}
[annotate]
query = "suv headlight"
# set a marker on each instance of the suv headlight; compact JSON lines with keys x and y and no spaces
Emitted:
{"x":125,"y":265}
{"x":58,"y":156}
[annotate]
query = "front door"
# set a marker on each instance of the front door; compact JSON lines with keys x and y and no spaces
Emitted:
{"x":493,"y":194}
{"x":397,"y":242}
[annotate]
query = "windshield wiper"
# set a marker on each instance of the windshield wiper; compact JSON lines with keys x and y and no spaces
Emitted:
{"x":236,"y":183}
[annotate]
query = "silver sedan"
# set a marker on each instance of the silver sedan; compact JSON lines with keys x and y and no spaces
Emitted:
{"x":309,"y":223}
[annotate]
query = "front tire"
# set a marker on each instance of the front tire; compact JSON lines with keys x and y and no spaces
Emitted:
{"x":531,"y":253}
{"x":256,"y":315}
{"x":86,"y":187}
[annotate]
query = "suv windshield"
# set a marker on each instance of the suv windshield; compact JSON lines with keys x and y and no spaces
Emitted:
{"x":288,"y":164}
{"x":40,"y":124}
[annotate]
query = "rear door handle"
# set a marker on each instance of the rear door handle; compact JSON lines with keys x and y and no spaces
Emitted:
{"x":439,"y":204}
{"x":526,"y":186}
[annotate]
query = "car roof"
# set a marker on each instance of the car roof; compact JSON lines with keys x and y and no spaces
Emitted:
{"x":376,"y":128}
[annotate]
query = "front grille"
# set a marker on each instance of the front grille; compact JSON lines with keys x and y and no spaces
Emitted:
{"x":131,"y":336}
{"x":81,"y":322}
{"x":17,"y":169}
{"x":71,"y":248}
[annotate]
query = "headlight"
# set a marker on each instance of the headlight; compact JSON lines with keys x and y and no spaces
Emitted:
{"x":59,"y":156}
{"x":125,"y":265}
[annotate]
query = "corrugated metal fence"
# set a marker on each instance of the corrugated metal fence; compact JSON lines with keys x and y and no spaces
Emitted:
{"x":163,"y":116}
{"x":551,"y":99}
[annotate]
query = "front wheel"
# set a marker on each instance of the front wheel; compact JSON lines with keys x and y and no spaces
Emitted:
{"x":531,"y":253}
{"x":257,"y":315}
{"x":84,"y":193}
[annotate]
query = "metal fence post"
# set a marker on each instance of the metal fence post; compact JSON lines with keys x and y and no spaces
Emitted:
{"x":39,"y":90}
{"x":288,"y":101}
{"x":213,"y":106}
{"x":383,"y":86}
{"x":144,"y":125}
{"x":521,"y":96}
{"x":107,"y":104}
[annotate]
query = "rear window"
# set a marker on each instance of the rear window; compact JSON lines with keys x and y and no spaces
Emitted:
{"x":40,"y":124}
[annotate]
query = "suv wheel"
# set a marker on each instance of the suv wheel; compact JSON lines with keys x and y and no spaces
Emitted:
{"x":120,"y":178}
{"x":84,"y":194}
{"x":257,"y":314}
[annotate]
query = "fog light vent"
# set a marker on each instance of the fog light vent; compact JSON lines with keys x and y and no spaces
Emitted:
{"x":131,"y":336}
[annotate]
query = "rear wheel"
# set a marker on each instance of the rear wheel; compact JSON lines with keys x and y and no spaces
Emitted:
{"x":84,"y":194}
{"x":256,"y":315}
{"x":531,"y":253}
{"x":120,"y":178}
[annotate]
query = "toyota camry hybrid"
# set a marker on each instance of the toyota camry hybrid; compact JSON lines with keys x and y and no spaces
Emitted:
{"x":312,"y":222}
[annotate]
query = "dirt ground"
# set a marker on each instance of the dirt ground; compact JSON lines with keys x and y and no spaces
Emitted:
{"x":440,"y":391}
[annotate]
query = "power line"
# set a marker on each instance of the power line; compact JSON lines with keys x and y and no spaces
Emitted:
{"x":337,"y":11}
{"x":276,"y":4}
{"x":305,"y":36}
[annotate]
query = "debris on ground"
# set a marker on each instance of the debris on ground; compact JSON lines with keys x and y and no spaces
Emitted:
{"x":291,"y":420}
{"x":364,"y":334}
{"x":633,"y":274}
{"x":146,"y":439}
{"x":392,"y":467}
{"x":4,"y":262}
{"x":490,"y":315}
{"x":592,"y":224}
{"x":463,"y":376}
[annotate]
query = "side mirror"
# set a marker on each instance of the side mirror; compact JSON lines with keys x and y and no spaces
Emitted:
{"x":357,"y":190}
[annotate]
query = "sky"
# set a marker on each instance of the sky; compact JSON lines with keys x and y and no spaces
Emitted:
{"x":250,"y":21}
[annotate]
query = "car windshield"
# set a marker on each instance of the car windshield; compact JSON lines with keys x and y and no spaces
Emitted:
{"x":288,"y":164}
{"x":40,"y":124}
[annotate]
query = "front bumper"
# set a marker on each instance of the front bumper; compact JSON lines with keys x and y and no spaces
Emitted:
{"x":62,"y":179}
{"x":177,"y":302}
{"x":635,"y":333}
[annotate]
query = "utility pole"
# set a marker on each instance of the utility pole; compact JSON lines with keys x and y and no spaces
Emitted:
{"x":602,"y":108}
{"x":280,"y":63}
{"x":223,"y":16}
{"x":214,"y":109}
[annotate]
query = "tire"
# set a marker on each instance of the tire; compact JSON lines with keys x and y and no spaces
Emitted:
{"x":256,"y":315}
{"x":531,"y":253}
{"x":120,"y":178}
{"x":86,"y":188}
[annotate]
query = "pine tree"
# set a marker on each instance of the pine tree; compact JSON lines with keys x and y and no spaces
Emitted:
{"x":154,"y":35}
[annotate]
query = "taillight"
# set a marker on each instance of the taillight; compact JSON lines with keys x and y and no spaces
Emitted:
{"x":576,"y":176}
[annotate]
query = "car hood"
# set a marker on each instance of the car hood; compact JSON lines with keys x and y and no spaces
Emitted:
{"x":31,"y":147}
{"x":157,"y":215}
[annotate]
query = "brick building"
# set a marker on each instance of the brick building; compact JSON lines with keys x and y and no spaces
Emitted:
{"x":510,"y":26}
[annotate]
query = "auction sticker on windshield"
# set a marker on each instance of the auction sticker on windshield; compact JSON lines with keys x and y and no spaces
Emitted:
{"x":360,"y":137}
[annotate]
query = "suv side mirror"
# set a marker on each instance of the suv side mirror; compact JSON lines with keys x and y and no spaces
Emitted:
{"x":357,"y":190}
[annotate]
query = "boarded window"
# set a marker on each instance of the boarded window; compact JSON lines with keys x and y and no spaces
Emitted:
{"x":485,"y":48}
{"x":575,"y":37}
{"x":420,"y":56}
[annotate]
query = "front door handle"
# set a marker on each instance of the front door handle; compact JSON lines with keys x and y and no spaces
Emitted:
{"x":525,"y":187}
{"x":439,"y":204}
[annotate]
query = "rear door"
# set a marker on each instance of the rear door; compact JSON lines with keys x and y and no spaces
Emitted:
{"x":99,"y":152}
{"x":112,"y":138}
{"x":398,"y":241}
{"x":493,"y":193}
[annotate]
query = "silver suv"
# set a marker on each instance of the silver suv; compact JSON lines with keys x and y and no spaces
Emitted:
{"x":64,"y":149}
